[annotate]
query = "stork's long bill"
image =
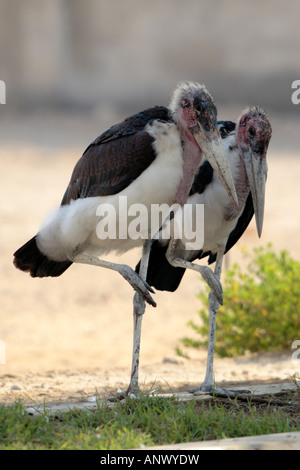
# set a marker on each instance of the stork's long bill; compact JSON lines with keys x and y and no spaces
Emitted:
{"x":257,"y":131}
{"x":214,"y":151}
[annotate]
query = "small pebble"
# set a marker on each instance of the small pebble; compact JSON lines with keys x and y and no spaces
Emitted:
{"x":92,"y":399}
{"x":15,"y":387}
{"x":172,"y":360}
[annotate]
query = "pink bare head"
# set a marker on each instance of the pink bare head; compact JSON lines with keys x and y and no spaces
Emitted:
{"x":254,"y":131}
{"x":195,"y":114}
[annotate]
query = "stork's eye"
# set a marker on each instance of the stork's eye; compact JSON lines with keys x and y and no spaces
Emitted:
{"x":251,"y":131}
{"x":185,"y":104}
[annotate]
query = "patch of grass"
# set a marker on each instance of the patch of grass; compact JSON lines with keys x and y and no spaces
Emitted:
{"x":135,"y":423}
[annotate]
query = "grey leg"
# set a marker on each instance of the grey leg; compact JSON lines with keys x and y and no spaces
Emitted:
{"x":138,"y":284}
{"x":208,"y":386}
{"x":138,"y":311}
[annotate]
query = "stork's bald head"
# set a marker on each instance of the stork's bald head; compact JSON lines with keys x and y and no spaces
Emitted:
{"x":254,"y":132}
{"x":192,"y":104}
{"x":195,"y":114}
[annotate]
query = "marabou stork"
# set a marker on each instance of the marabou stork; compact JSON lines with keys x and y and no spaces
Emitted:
{"x":149,"y":158}
{"x":246,"y":144}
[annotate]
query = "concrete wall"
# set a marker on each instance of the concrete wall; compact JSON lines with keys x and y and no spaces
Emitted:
{"x":77,"y":53}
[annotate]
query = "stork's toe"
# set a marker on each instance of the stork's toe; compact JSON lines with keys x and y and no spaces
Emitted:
{"x":138,"y":284}
{"x":218,"y":391}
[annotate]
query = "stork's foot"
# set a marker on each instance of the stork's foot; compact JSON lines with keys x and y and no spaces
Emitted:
{"x":137,"y":283}
{"x":121,"y":396}
{"x":208,"y":275}
{"x":134,"y":394}
{"x":217,"y":391}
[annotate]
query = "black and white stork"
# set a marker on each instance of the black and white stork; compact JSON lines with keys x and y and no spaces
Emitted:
{"x":224,"y":223}
{"x":149,"y":158}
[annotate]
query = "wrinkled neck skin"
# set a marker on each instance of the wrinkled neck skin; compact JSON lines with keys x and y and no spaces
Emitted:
{"x":191,"y":156}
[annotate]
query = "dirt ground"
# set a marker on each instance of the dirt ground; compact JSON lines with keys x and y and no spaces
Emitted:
{"x":69,"y":337}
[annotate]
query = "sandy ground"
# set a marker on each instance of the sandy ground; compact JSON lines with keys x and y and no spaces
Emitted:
{"x":65,"y":338}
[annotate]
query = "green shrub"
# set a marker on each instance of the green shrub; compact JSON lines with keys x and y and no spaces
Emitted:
{"x":261,"y":310}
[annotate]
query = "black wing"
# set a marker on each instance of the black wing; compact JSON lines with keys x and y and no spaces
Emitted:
{"x":202,"y":179}
{"x":116,"y":158}
{"x":225,"y":128}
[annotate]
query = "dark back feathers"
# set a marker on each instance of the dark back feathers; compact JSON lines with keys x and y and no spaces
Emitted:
{"x":115,"y":158}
